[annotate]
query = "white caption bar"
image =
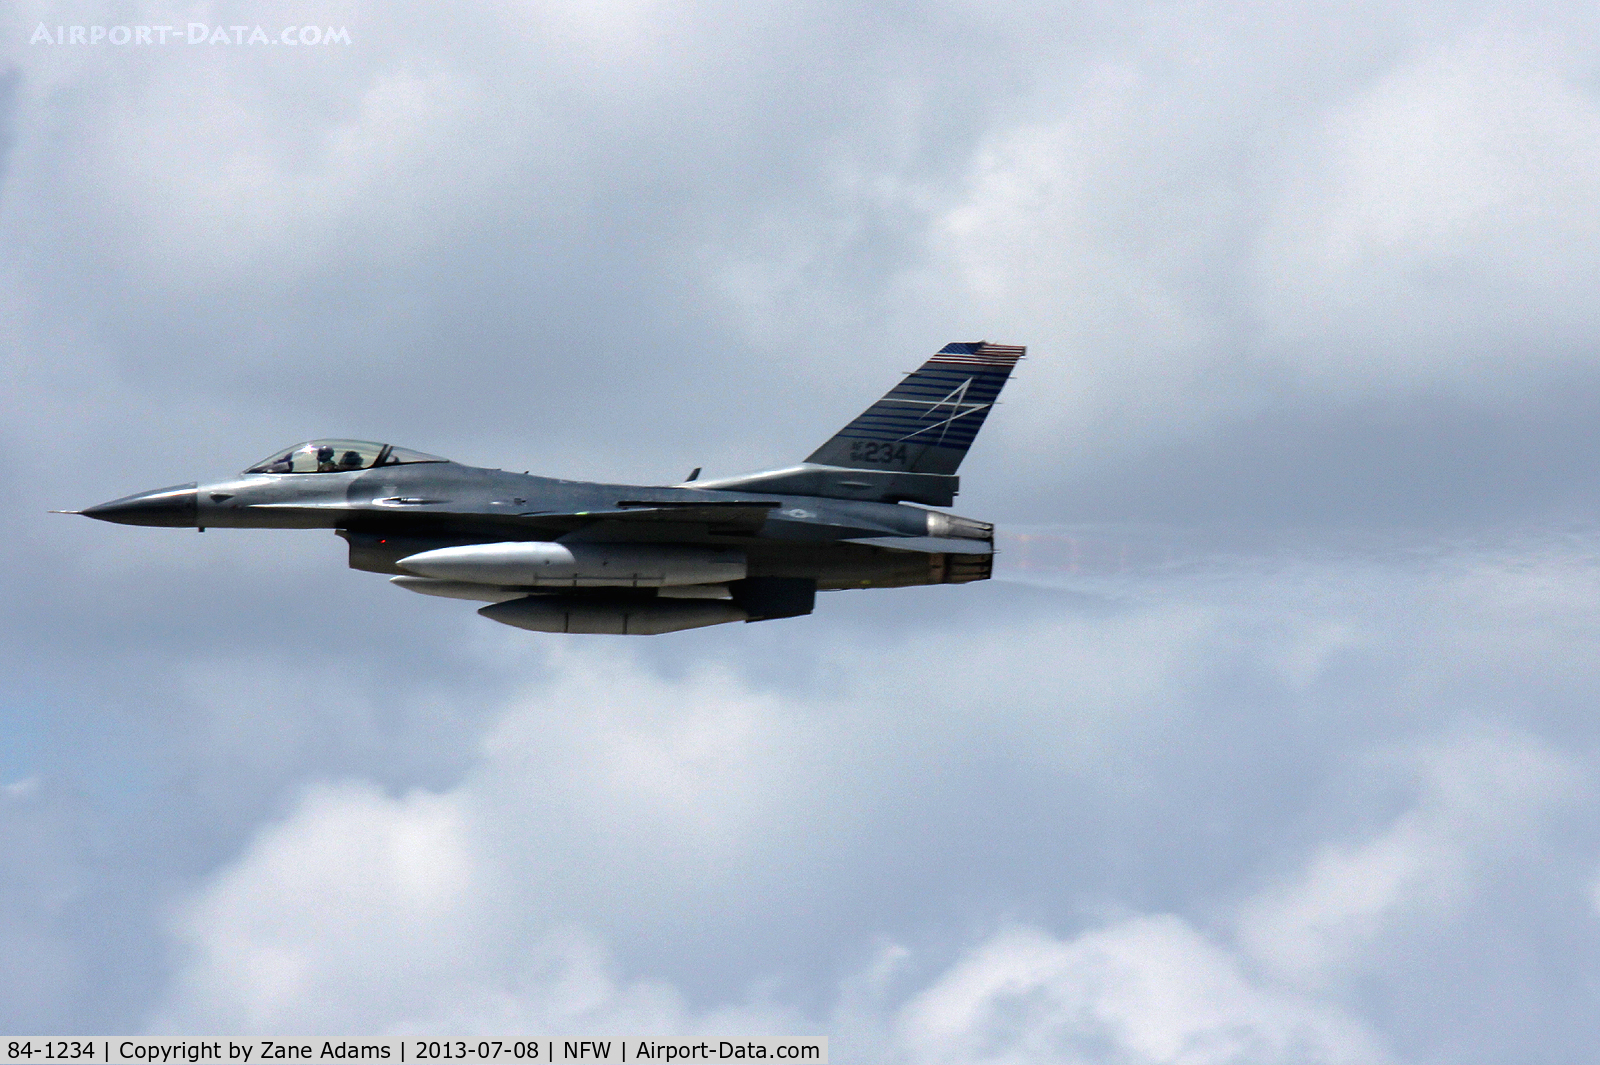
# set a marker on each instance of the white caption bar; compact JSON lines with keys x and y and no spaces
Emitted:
{"x":100,"y":1050}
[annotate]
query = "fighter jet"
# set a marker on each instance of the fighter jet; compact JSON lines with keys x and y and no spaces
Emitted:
{"x":553,"y":555}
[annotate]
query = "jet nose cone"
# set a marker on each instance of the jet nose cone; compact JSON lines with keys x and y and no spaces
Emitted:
{"x":176,"y":506}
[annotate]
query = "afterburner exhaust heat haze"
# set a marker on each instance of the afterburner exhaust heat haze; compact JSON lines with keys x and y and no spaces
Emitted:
{"x":574,"y":556}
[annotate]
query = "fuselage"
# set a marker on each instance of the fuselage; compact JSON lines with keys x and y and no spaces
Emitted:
{"x":389,"y":513}
{"x":554,"y":555}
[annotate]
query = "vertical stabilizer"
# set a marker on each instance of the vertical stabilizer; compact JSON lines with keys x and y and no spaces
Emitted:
{"x":926,"y":422}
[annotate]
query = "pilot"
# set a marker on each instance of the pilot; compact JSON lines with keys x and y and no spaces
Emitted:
{"x":350,"y":460}
{"x":325,"y":459}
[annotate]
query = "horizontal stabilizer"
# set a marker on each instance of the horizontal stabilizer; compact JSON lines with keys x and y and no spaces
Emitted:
{"x":833,"y":482}
{"x":930,"y":545}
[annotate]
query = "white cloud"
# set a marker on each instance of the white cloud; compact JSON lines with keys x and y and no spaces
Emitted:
{"x":1148,"y":989}
{"x":374,"y":913}
{"x":20,"y":789}
{"x":267,"y":192}
{"x":1048,"y":245}
{"x":432,"y":909}
{"x":383,"y":914}
{"x":614,"y":805}
{"x":1485,"y":798}
{"x":1188,"y":238}
{"x":467,"y":222}
{"x":306,"y":926}
{"x":1443,"y":225}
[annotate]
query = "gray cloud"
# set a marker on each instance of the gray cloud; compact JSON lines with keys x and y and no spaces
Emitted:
{"x":1327,"y":798}
{"x":997,"y":823}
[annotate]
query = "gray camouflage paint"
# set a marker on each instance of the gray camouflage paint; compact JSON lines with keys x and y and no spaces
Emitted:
{"x":840,"y":520}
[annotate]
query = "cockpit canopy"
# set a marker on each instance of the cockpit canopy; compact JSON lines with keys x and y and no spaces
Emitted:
{"x":338,"y":456}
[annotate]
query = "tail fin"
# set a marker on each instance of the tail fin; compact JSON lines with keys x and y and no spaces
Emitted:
{"x":906,"y":446}
{"x":926,"y":423}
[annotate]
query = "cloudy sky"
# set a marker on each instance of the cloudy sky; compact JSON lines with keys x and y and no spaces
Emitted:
{"x":1300,"y":763}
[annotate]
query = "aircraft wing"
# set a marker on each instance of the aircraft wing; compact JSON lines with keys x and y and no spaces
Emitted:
{"x":624,"y":520}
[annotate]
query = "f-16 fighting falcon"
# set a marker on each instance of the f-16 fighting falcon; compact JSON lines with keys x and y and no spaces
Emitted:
{"x":573,"y":556}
